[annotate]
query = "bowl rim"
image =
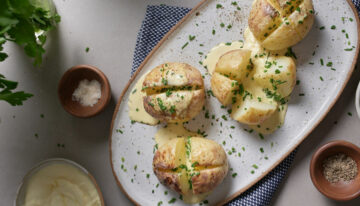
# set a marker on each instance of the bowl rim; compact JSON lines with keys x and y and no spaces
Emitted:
{"x":102,"y":76}
{"x":42,"y":163}
{"x":315,"y":159}
{"x":357,"y":100}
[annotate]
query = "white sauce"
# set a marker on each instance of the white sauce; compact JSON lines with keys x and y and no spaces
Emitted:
{"x":87,"y":93}
{"x":61,"y":184}
{"x":136,"y":105}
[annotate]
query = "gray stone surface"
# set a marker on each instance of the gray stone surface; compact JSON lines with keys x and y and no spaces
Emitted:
{"x":109,"y":29}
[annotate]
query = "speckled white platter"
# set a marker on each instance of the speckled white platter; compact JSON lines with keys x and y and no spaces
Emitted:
{"x":131,"y":145}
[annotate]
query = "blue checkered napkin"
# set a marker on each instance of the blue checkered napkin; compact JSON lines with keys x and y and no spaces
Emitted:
{"x":357,"y":4}
{"x":158,"y":21}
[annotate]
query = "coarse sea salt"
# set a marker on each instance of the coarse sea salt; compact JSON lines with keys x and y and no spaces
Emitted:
{"x":87,"y":93}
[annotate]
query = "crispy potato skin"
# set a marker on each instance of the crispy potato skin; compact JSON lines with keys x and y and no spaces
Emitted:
{"x":211,"y":164}
{"x":187,"y":92}
{"x":209,"y":179}
{"x":222,"y":88}
{"x":208,"y":153}
{"x":194,"y":101}
{"x":277,"y":25}
{"x":163,"y":162}
{"x":192,"y":76}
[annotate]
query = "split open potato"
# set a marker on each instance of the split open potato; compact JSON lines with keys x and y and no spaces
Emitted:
{"x":174,"y":92}
{"x":279,"y":24}
{"x":260,"y":86}
{"x":191,"y":166}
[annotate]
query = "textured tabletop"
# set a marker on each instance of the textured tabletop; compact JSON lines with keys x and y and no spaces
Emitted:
{"x":33,"y":132}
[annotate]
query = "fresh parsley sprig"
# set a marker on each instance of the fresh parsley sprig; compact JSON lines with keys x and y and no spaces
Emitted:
{"x":7,"y":94}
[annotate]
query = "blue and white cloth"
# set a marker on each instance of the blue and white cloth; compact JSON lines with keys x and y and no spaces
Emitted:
{"x":158,"y":21}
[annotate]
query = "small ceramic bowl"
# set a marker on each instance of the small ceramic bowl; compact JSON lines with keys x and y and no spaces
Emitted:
{"x":357,"y":100}
{"x":20,"y":194}
{"x":70,"y":81}
{"x":340,"y":191}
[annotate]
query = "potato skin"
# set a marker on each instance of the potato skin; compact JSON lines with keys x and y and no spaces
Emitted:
{"x":222,"y":88}
{"x":208,"y":153}
{"x":209,"y":179}
{"x":277,"y":25}
{"x":163,"y":162}
{"x":209,"y":158}
{"x":191,"y":76}
{"x":186,"y":108}
{"x":187,"y":92}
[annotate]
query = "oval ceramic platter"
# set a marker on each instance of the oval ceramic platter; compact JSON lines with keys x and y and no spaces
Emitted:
{"x":325,"y":61}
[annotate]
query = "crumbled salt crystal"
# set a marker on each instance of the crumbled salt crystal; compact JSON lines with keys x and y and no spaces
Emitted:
{"x":87,"y":93}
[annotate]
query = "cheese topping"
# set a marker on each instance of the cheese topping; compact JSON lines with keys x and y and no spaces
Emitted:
{"x":136,"y":105}
{"x":172,"y":131}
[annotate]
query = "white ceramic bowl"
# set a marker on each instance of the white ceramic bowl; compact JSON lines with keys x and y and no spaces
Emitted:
{"x":20,"y":194}
{"x":357,"y":100}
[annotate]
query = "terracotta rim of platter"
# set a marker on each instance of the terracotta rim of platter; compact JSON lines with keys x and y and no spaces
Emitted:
{"x":282,"y":157}
{"x":41,"y":164}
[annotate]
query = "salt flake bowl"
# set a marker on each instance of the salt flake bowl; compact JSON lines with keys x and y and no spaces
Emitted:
{"x":341,"y":191}
{"x":70,"y":81}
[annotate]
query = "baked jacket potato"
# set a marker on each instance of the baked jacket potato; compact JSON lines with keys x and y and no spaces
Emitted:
{"x":174,"y":92}
{"x":263,"y":85}
{"x":190,"y":165}
{"x":279,"y":24}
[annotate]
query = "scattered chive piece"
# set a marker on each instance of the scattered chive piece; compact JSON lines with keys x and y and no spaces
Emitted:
{"x":261,"y":136}
{"x":87,"y":49}
{"x":322,"y":62}
{"x":191,"y":37}
{"x":213,"y":32}
{"x":350,"y":114}
{"x":234,"y":175}
{"x":322,"y":28}
{"x":218,"y":6}
{"x":333,"y":27}
{"x":261,"y":150}
{"x":222,"y":25}
{"x":173,"y":200}
{"x":301,"y":94}
{"x":185,"y":45}
{"x":321,"y":78}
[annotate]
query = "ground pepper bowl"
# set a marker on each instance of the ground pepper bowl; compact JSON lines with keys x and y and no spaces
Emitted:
{"x":339,"y":191}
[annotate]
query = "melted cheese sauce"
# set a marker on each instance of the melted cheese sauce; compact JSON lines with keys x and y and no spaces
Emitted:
{"x":136,"y":105}
{"x":172,"y":131}
{"x":273,"y":123}
{"x":216,"y":52}
{"x":277,"y":119}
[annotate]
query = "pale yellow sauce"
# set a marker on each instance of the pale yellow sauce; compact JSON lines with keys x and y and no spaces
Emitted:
{"x":277,"y":119}
{"x":273,"y":123}
{"x":172,"y":131}
{"x":61,"y":184}
{"x":136,"y":105}
{"x":216,"y":52}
